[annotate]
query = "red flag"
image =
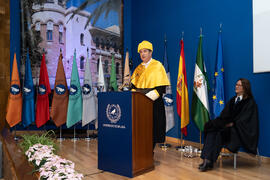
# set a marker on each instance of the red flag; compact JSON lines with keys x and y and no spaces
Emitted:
{"x":14,"y":106}
{"x":44,"y":89}
{"x":182,"y":93}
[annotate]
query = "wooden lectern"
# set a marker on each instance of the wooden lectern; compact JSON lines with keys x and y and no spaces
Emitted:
{"x":125,"y":133}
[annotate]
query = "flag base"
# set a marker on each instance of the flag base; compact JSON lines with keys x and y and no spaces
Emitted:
{"x":180,"y":148}
{"x":16,"y":138}
{"x":60,"y":139}
{"x":74,"y":139}
{"x":165,"y":146}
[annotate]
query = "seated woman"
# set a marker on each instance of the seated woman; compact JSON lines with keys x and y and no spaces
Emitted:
{"x":237,"y":126}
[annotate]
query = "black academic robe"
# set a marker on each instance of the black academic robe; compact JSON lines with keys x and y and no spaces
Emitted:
{"x":144,"y":80}
{"x":245,"y":130}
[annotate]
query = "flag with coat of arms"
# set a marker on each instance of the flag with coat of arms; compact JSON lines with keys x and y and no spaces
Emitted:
{"x":74,"y":114}
{"x":182,"y":92}
{"x":89,"y":104}
{"x":14,"y":106}
{"x":200,"y":105}
{"x":44,"y":89}
{"x":167,"y":97}
{"x":28,"y":115}
{"x":60,"y":95}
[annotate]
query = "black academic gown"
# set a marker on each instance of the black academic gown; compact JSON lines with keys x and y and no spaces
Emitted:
{"x":245,"y":131}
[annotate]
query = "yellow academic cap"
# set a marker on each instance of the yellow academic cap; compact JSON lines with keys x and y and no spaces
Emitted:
{"x":145,"y":45}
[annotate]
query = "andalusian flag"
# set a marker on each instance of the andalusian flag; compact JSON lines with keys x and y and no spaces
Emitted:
{"x":14,"y":106}
{"x":200,"y":106}
{"x":113,"y":81}
{"x":74,"y":114}
{"x":182,"y":92}
{"x":218,"y":96}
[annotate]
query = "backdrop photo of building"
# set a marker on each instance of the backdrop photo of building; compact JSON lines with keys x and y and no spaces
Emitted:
{"x":59,"y":31}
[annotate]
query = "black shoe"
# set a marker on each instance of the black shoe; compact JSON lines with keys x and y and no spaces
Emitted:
{"x":200,"y":165}
{"x":207,"y":165}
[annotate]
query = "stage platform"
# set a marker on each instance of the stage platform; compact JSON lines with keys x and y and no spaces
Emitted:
{"x":169,"y":164}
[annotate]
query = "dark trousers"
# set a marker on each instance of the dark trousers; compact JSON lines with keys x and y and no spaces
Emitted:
{"x":212,"y":146}
{"x":154,"y":145}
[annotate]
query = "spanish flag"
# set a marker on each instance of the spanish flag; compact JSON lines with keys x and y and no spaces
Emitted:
{"x":182,"y":92}
{"x":14,"y":106}
{"x":44,"y":89}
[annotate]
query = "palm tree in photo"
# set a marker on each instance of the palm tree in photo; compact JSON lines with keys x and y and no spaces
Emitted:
{"x":104,"y":6}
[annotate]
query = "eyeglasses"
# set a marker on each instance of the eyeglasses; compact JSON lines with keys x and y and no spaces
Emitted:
{"x":238,"y":85}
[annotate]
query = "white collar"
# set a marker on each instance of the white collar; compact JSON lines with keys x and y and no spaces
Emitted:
{"x":146,"y":64}
{"x":241,"y":97}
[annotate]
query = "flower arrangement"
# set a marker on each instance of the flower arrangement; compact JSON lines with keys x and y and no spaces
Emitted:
{"x":49,"y":165}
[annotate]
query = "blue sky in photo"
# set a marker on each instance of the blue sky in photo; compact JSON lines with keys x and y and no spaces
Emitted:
{"x":103,"y":23}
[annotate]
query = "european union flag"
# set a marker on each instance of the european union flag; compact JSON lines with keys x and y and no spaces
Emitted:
{"x":28,"y":114}
{"x":218,"y":96}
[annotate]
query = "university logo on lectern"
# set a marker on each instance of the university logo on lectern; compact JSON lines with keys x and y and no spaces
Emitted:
{"x":113,"y":112}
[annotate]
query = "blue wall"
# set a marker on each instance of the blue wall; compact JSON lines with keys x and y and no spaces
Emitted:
{"x":127,"y":25}
{"x":14,"y":31}
{"x":151,"y":19}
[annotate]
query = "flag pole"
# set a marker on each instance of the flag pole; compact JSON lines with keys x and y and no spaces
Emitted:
{"x":200,"y":149}
{"x":74,"y":135}
{"x":87,"y":132}
{"x":220,"y":27}
{"x":165,"y":145}
{"x":15,"y":136}
{"x":60,"y":134}
{"x":180,"y":146}
{"x":181,"y":140}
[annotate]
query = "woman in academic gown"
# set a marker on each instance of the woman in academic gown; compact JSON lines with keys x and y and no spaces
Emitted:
{"x":151,"y":79}
{"x":237,"y":126}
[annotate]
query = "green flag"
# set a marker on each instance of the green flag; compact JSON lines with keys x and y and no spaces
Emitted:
{"x":200,"y":106}
{"x":113,"y":82}
{"x":74,"y":114}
